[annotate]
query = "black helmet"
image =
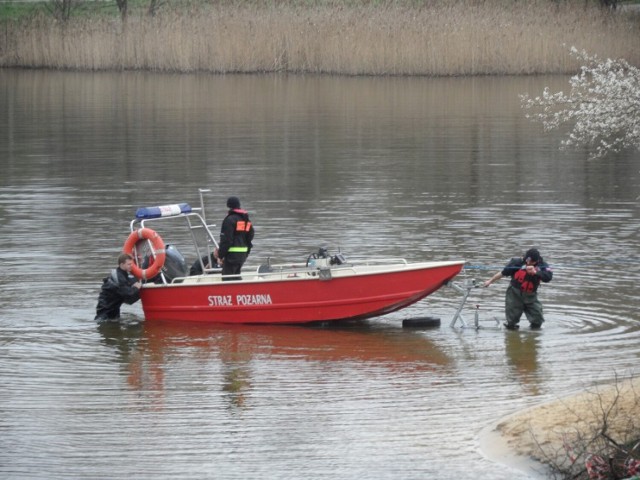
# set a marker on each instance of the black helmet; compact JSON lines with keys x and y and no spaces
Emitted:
{"x":533,"y":255}
{"x":233,"y":202}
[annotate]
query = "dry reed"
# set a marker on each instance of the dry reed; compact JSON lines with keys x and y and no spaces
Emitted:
{"x":447,"y":37}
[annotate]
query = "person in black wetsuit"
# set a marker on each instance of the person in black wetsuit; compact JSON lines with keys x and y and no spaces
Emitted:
{"x":526,"y":274}
{"x":117,"y":288}
{"x":236,"y":235}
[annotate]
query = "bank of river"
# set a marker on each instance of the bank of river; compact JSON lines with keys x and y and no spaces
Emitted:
{"x":540,"y":436}
{"x":389,"y":38}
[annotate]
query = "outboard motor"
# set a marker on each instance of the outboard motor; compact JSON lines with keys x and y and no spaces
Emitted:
{"x":174,"y":265}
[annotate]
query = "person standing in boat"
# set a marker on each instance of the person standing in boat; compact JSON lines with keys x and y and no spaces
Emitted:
{"x":236,"y":235}
{"x":526,"y":274}
{"x":118,"y":288}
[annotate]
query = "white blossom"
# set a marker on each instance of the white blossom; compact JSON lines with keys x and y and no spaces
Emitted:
{"x":603,"y":105}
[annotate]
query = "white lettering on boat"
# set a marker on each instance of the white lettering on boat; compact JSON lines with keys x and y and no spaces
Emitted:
{"x":227,"y":300}
{"x":259,"y":299}
{"x":220,"y":300}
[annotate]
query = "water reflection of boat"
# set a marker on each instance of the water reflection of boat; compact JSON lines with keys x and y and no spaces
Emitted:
{"x":351,"y":341}
{"x":152,"y":354}
{"x":322,"y":288}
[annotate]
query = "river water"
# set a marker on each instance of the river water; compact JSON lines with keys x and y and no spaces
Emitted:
{"x":424,"y":168}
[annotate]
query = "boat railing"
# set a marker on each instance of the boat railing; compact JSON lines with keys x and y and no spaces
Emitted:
{"x":284,"y":271}
{"x":319,"y":265}
{"x":352,"y":262}
{"x":320,"y":269}
{"x":194,"y":221}
{"x":377,"y":261}
{"x":152,"y":217}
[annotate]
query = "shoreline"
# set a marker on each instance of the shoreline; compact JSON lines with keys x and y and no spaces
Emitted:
{"x":524,"y":439}
{"x":444,"y":38}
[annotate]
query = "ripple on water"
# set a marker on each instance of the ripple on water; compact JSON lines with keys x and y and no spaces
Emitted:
{"x":368,"y":166}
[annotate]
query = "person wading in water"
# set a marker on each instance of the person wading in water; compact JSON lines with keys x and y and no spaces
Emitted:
{"x":118,"y":288}
{"x":526,"y":274}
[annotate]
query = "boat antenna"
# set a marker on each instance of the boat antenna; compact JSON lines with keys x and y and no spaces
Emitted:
{"x":201,"y":191}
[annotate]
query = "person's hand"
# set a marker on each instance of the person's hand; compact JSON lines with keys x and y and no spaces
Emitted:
{"x":138,"y":285}
{"x":531,"y":269}
{"x":487,"y":283}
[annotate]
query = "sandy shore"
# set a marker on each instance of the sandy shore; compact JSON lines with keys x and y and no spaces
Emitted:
{"x":530,"y":439}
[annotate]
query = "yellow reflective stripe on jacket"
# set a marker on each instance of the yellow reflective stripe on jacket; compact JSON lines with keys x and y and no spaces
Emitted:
{"x":238,"y":249}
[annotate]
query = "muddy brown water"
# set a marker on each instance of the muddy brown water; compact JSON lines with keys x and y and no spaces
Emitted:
{"x":416,"y":167}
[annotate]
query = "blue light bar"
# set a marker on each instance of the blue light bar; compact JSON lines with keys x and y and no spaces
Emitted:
{"x":163,"y":211}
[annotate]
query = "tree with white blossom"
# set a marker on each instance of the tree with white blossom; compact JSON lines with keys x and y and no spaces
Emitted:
{"x":603,"y":106}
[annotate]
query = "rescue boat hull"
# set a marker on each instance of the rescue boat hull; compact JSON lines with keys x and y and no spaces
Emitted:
{"x":293,"y":297}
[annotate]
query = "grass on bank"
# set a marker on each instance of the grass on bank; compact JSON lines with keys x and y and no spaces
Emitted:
{"x":20,"y":10}
{"x":13,"y":10}
{"x":377,"y":37}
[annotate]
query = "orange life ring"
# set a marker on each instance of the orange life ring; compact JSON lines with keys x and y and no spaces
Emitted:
{"x":158,"y":253}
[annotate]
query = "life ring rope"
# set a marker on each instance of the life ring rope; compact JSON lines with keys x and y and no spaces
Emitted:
{"x":158,"y":252}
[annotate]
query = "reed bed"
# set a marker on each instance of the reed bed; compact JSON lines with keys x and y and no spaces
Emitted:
{"x":448,"y":37}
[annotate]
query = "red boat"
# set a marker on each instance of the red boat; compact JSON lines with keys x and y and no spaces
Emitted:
{"x":323,"y":288}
